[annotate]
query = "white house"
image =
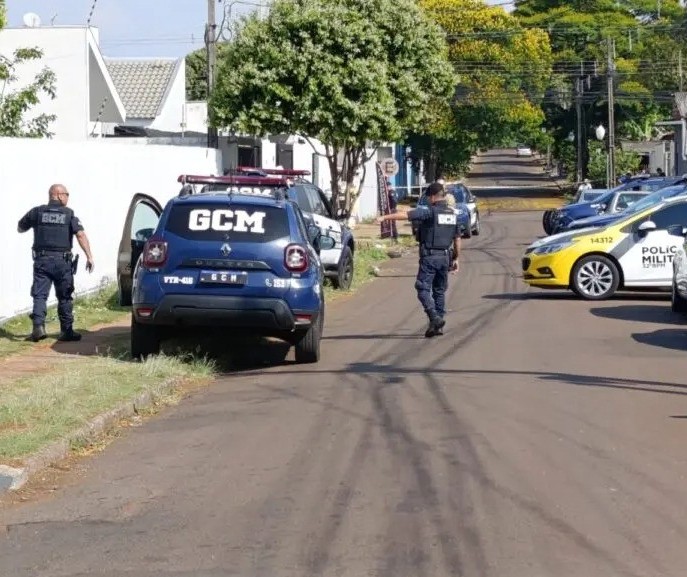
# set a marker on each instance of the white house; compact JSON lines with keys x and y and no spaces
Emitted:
{"x":153,"y":91}
{"x":86,"y":95}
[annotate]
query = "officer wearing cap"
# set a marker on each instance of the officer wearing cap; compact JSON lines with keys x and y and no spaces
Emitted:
{"x":439,"y":237}
{"x":54,"y":226}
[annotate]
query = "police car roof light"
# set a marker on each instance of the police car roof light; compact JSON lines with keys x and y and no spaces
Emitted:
{"x":279,"y":171}
{"x":233,"y":179}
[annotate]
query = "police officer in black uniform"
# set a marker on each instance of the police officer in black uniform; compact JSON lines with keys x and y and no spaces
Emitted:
{"x":439,"y":237}
{"x":54,"y":226}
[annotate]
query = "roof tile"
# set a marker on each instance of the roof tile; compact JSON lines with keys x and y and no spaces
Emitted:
{"x":142,"y":84}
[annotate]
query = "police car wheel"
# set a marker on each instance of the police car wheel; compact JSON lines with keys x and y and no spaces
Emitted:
{"x":595,"y":278}
{"x":344,"y":276}
{"x":145,"y":340}
{"x":546,"y":220}
{"x":307,"y":349}
{"x":678,"y":304}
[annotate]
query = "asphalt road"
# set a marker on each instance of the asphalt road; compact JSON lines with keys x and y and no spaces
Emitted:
{"x":540,"y":436}
{"x":500,"y":172}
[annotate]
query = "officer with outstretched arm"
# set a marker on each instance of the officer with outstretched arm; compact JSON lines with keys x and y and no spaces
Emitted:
{"x":54,"y":226}
{"x":440,"y":231}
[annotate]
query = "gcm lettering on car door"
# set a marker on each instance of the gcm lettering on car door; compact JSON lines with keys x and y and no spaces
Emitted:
{"x":650,"y":258}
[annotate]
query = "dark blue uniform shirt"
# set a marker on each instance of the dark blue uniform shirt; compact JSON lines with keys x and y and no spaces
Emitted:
{"x":54,"y":226}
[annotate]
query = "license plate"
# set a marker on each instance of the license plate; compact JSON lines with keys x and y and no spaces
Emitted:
{"x":223,"y":277}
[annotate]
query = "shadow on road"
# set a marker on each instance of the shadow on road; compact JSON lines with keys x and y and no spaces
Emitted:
{"x":565,"y":295}
{"x":672,"y":339}
{"x":640,"y":313}
{"x":379,"y":371}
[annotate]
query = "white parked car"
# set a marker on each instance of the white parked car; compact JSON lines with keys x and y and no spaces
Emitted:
{"x":523,"y":150}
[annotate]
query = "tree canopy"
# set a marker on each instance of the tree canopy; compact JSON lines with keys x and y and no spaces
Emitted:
{"x":15,"y":104}
{"x":349,"y":73}
{"x":648,"y":38}
{"x":502,"y":72}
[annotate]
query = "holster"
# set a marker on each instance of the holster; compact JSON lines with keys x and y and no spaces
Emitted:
{"x":75,"y":264}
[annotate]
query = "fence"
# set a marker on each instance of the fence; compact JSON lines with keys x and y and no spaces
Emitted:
{"x":101,"y":177}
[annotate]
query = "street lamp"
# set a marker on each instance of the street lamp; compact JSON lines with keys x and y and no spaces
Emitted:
{"x":600,"y":133}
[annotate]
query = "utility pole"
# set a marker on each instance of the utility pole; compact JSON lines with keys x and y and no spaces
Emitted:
{"x":610,"y":69}
{"x":211,"y":50}
{"x":679,"y":67}
{"x":579,"y":137}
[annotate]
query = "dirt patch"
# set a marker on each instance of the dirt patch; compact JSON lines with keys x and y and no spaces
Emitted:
{"x":44,"y":355}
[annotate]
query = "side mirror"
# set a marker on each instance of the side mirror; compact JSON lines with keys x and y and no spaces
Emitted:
{"x":326,"y":243}
{"x":646,"y":226}
{"x":677,"y":230}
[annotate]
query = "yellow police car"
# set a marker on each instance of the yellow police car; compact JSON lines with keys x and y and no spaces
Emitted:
{"x":634,"y":252}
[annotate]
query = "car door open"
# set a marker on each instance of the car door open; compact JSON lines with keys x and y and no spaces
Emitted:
{"x":139,"y":225}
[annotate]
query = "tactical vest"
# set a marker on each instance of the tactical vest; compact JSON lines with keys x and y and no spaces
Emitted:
{"x":437,"y":233}
{"x":53,"y":228}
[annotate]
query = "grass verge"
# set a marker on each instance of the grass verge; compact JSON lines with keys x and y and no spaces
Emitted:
{"x":366,"y":259}
{"x":95,"y":309}
{"x":42,"y":408}
{"x":515,"y":204}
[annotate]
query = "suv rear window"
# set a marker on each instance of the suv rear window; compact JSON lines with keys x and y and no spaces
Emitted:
{"x":228,"y":222}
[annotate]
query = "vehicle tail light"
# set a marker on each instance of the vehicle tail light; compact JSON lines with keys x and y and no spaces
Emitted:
{"x":154,"y":253}
{"x":144,"y":311}
{"x":295,"y":258}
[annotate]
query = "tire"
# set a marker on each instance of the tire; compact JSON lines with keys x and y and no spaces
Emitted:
{"x":476,"y":229}
{"x":307,"y":349}
{"x":145,"y":340}
{"x":467,"y":231}
{"x":678,"y":304}
{"x":595,"y":278}
{"x":547,"y":220}
{"x":123,"y":298}
{"x":344,"y":277}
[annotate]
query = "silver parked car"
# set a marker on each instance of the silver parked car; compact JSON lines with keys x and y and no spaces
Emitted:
{"x":463,"y":195}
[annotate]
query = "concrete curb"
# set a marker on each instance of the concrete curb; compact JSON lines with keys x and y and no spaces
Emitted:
{"x":12,"y":479}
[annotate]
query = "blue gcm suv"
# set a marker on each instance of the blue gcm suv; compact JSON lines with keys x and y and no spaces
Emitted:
{"x":614,"y":200}
{"x":239,"y":261}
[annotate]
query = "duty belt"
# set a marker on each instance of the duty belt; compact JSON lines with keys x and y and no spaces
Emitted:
{"x":432,"y":251}
{"x":65,"y":254}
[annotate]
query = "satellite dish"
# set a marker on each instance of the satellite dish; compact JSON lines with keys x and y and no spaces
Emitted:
{"x":32,"y":20}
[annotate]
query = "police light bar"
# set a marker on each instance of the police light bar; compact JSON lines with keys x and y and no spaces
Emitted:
{"x":231,"y":179}
{"x":281,"y":171}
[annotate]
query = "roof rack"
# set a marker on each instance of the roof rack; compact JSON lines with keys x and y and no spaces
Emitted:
{"x":230,"y":179}
{"x":254,"y":182}
{"x":266,"y":171}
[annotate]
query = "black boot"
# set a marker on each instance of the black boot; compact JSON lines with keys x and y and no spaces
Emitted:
{"x":38,"y":333}
{"x":435,"y":328}
{"x":69,"y":336}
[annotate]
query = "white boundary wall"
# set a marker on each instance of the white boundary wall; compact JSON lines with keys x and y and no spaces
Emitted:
{"x":101,"y":176}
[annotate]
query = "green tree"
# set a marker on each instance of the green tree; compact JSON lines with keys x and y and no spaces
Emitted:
{"x":197,"y":73}
{"x":647,"y":53}
{"x":349,"y":73}
{"x":501,"y":80}
{"x":14,"y":105}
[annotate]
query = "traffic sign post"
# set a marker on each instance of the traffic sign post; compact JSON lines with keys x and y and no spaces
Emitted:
{"x":390,"y":167}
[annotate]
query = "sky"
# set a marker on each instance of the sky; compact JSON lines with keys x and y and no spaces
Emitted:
{"x":145,"y":28}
